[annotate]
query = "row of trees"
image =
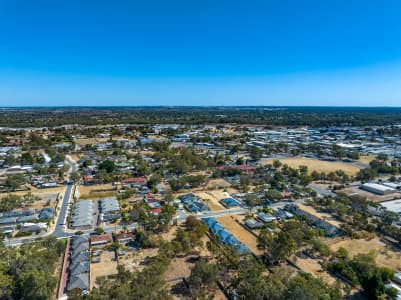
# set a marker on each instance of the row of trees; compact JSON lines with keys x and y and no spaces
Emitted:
{"x":288,"y":116}
{"x":12,"y":201}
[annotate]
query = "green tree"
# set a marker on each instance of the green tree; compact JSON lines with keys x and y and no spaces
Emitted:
{"x":14,"y":181}
{"x":203,"y":279}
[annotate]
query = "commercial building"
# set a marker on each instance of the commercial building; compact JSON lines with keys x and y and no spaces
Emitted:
{"x":376,"y":188}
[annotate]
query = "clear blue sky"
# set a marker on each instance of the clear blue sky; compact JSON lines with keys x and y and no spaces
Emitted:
{"x":300,"y":52}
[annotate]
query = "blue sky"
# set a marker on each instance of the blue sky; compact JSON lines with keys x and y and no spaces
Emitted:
{"x":200,"y":52}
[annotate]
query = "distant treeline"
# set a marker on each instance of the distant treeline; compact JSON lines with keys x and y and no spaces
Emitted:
{"x":269,"y":116}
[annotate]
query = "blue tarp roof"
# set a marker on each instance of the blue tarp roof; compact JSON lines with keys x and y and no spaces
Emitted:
{"x":224,"y":235}
{"x":209,"y":221}
{"x":230,"y":202}
{"x":216,"y":228}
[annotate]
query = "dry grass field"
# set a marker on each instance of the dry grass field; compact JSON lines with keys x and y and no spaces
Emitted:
{"x":107,"y":266}
{"x":313,"y":267}
{"x":90,"y":141}
{"x":180,"y":267}
{"x":132,"y":261}
{"x":217,"y":183}
{"x":318,"y":165}
{"x":76,"y":157}
{"x":212,"y":198}
{"x":366,"y":158}
{"x":243,"y":235}
{"x":96,"y":191}
{"x":384,"y":255}
{"x":46,"y":198}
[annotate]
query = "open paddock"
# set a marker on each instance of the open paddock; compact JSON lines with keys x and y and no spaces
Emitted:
{"x":212,"y":198}
{"x":317,"y":165}
{"x":44,"y":199}
{"x":96,"y":191}
{"x":385,"y":256}
{"x":313,"y":267}
{"x":106,"y":267}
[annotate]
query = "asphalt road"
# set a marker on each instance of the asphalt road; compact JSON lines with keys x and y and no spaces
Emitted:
{"x":61,"y":223}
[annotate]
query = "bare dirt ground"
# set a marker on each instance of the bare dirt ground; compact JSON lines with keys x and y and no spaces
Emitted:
{"x":212,"y":198}
{"x":180,"y":267}
{"x":313,"y":267}
{"x":366,"y":158}
{"x":318,"y":165}
{"x":240,"y":232}
{"x":90,"y":141}
{"x":370,"y":196}
{"x":107,"y":266}
{"x":169,"y":235}
{"x":76,"y":157}
{"x":217,"y":183}
{"x":135,"y":261}
{"x":384,"y":255}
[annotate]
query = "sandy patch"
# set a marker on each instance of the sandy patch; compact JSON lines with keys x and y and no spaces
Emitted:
{"x":366,"y":158}
{"x":313,"y":267}
{"x":212,"y":198}
{"x":135,"y":261}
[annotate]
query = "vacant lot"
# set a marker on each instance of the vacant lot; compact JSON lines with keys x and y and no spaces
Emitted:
{"x":212,"y":198}
{"x":90,"y":141}
{"x":45,"y":199}
{"x":318,"y":165}
{"x":135,"y":261}
{"x":107,"y":266}
{"x":243,"y":235}
{"x":96,"y":191}
{"x":384,"y":256}
{"x":217,"y":183}
{"x":366,"y":158}
{"x":313,"y":267}
{"x":180,"y":267}
{"x":76,"y":157}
